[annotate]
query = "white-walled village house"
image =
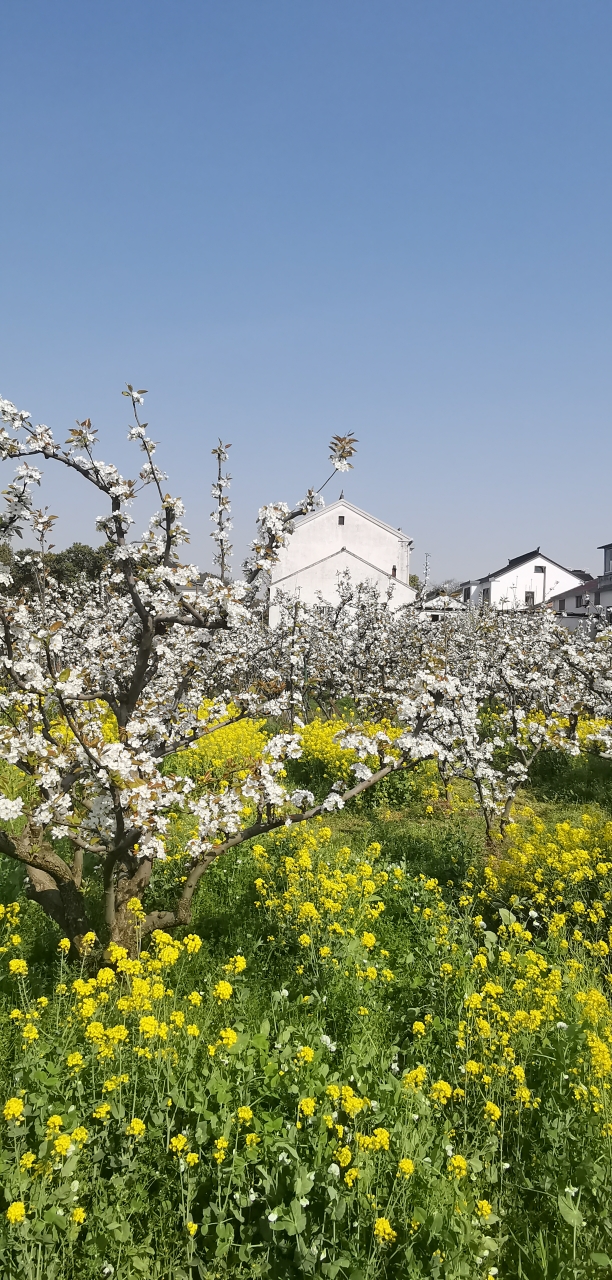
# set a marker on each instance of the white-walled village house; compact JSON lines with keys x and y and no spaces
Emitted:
{"x":525,"y":582}
{"x":592,"y":599}
{"x":334,"y":539}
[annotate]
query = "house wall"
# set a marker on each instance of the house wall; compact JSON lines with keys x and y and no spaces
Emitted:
{"x":510,"y":587}
{"x":322,"y":579}
{"x":320,"y":534}
{"x":321,"y":548}
{"x":579,"y":612}
{"x":470,"y":594}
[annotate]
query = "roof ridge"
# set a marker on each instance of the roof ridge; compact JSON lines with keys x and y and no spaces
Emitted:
{"x":343,"y":502}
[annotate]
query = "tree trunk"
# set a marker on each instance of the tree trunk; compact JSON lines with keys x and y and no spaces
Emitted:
{"x":64,"y":903}
{"x":131,"y":881}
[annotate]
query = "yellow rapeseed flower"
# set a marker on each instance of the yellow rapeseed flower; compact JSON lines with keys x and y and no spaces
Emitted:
{"x":441,"y":1092}
{"x":220,"y":1150}
{"x":383,"y":1231}
{"x":228,"y":1037}
{"x":16,"y":1212}
{"x":13,"y":1110}
{"x":457,"y":1167}
{"x":136,"y":1128}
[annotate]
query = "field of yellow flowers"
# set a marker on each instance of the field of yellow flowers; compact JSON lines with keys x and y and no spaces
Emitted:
{"x":385,"y":1057}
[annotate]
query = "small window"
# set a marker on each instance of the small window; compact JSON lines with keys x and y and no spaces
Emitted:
{"x":394,"y":571}
{"x":486,"y":595}
{"x":579,"y":602}
{"x":466,"y":595}
{"x":539,"y":568}
{"x":562,"y":606}
{"x":340,"y":519}
{"x":530,"y":599}
{"x":597,"y":597}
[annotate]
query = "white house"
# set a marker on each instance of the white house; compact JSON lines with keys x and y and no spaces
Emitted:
{"x":439,"y":603}
{"x":592,"y":599}
{"x":336,"y":538}
{"x":526,"y":581}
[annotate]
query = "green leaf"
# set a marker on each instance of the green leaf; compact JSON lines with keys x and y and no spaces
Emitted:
{"x":571,"y":1215}
{"x":506,"y":916}
{"x":601,"y":1260}
{"x":55,"y":1219}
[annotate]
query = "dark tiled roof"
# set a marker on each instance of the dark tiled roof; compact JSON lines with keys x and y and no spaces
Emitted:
{"x":591,"y":585}
{"x":516,"y":560}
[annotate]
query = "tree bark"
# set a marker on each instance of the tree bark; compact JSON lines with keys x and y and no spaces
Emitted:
{"x":43,"y":890}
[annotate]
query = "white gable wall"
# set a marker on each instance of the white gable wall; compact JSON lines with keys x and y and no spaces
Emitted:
{"x":321,"y":548}
{"x":320,"y":534}
{"x":322,"y":580}
{"x":510,"y":586}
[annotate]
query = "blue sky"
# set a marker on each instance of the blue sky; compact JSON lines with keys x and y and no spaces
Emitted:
{"x":290,"y":219}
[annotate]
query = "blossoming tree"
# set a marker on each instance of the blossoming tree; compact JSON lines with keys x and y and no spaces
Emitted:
{"x":104,"y":680}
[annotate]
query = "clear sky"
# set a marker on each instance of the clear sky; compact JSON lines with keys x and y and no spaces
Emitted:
{"x":291,"y":218}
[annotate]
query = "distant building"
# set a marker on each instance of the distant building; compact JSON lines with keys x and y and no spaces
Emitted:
{"x":334,"y":539}
{"x":526,"y":581}
{"x":593,"y":599}
{"x":438,"y":603}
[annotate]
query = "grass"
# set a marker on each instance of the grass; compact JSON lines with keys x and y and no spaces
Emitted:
{"x":520,"y":1189}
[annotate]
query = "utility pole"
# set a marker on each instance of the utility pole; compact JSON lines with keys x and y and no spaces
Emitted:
{"x":426,"y":571}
